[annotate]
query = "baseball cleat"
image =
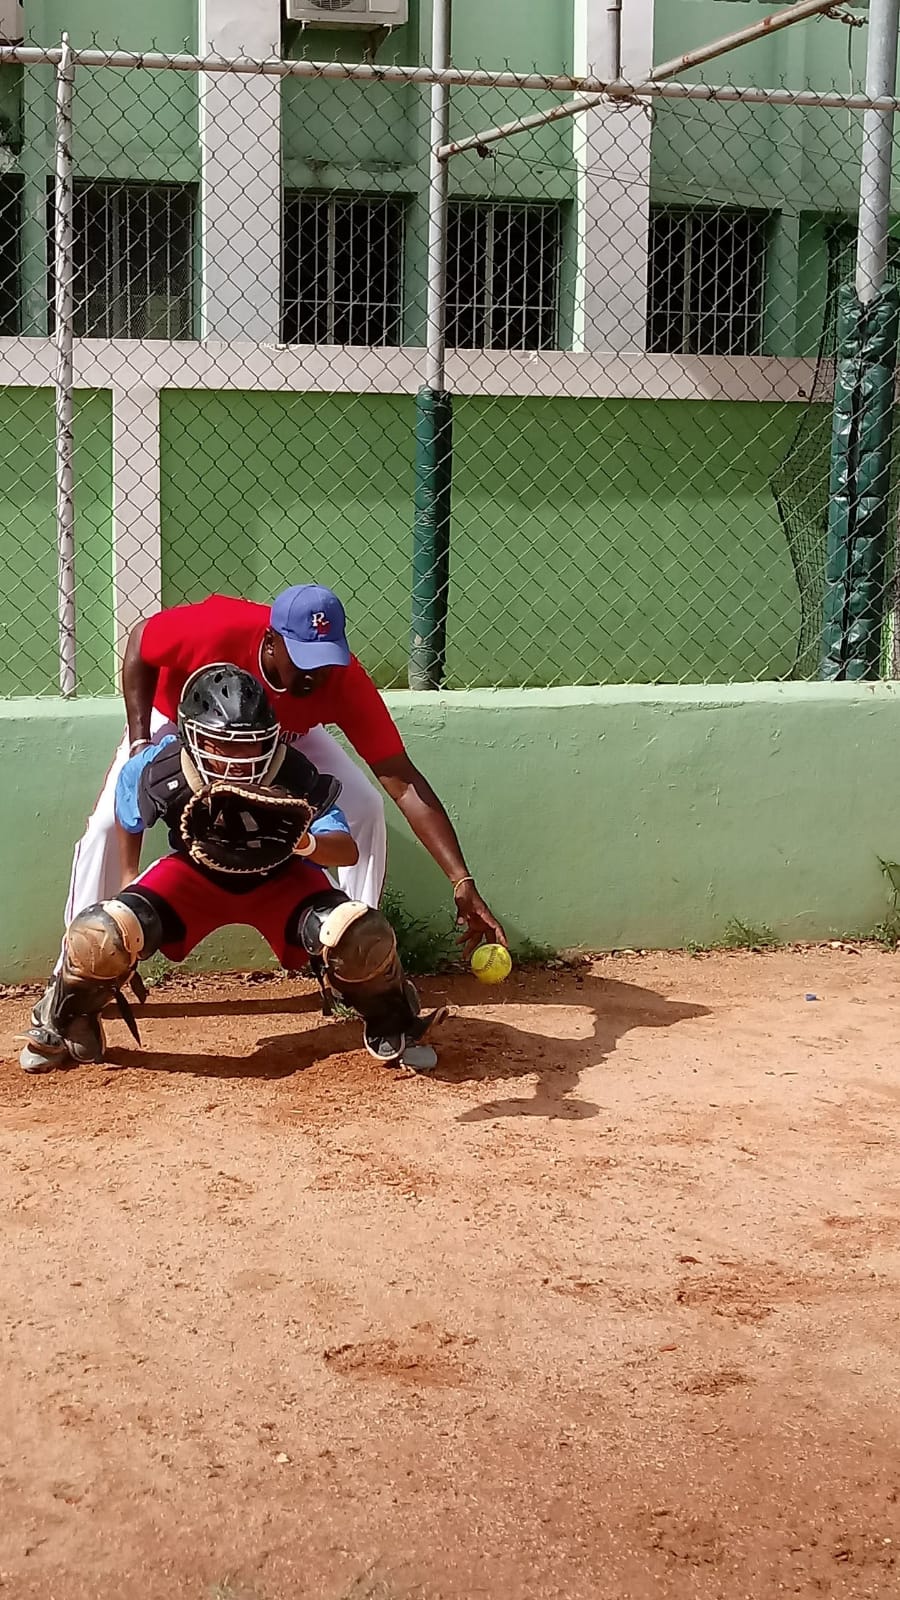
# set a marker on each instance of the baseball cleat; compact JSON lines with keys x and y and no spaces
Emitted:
{"x":45,"y":1048}
{"x":386,"y":1048}
{"x":42,"y":1050}
{"x":406,"y":1048}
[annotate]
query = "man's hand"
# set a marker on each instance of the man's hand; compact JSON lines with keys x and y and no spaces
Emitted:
{"x":476,"y":919}
{"x":430,"y":823}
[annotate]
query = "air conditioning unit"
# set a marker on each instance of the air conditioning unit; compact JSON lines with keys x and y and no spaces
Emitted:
{"x":347,"y":13}
{"x":12,"y":22}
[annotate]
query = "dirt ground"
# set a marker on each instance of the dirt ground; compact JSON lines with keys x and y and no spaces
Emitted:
{"x":606,"y":1307}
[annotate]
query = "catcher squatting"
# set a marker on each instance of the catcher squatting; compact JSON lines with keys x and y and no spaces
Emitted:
{"x":252,"y":824}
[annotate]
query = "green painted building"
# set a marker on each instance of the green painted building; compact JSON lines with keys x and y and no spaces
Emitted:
{"x":789,"y":172}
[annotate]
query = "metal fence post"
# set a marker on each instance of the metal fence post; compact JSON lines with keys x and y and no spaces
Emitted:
{"x":612,"y":66}
{"x":862,"y":428}
{"x":434,"y":414}
{"x":63,"y":333}
{"x":877,"y":149}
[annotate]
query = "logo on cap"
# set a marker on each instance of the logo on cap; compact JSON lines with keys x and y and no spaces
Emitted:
{"x":321,"y":624}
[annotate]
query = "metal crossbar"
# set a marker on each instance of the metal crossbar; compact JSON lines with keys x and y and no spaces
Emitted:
{"x":588,"y":84}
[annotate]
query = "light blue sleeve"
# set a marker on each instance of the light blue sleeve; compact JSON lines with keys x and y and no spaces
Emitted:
{"x":332,"y":821}
{"x":128,"y":813}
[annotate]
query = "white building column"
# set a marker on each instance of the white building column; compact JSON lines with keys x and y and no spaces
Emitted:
{"x":136,"y":553}
{"x":612,"y":150}
{"x":240,"y":189}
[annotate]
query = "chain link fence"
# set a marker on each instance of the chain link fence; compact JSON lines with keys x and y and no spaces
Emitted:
{"x":640,"y":327}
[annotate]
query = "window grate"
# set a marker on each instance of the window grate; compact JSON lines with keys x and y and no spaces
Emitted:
{"x":11,"y":193}
{"x":503,"y":273}
{"x":706,"y":278}
{"x":342,"y":270}
{"x":133,"y":258}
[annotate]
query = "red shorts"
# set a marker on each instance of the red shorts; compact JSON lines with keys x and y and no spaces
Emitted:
{"x":204,"y":906}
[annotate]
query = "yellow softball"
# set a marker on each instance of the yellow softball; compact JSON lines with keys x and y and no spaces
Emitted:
{"x":491,"y":963}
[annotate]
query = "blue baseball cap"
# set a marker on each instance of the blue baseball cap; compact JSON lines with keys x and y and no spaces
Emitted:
{"x":313,"y":625}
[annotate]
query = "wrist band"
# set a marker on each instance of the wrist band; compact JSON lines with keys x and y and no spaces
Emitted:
{"x":459,"y":883}
{"x":136,"y":745}
{"x":306,"y":849}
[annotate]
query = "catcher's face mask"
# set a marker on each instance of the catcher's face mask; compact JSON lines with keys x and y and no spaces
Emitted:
{"x":245,"y":757}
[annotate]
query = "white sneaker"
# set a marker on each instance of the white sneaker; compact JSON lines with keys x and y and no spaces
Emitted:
{"x":45,"y":1049}
{"x":42,"y":1051}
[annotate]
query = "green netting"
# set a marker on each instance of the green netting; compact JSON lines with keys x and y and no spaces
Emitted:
{"x":800,"y":483}
{"x":860,"y":483}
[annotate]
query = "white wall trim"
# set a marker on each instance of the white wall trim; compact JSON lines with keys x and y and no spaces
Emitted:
{"x":341,"y":369}
{"x":136,"y":544}
{"x":611,"y":144}
{"x":240,"y":181}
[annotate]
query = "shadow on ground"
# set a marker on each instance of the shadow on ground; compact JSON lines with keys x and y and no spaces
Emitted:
{"x":473,"y":1048}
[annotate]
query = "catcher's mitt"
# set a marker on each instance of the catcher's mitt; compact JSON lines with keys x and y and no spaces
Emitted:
{"x":241,"y":828}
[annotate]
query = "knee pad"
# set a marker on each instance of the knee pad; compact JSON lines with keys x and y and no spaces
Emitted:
{"x":103,"y":944}
{"x":359,"y":946}
{"x":158,"y":922}
{"x":102,"y":948}
{"x":306,"y":920}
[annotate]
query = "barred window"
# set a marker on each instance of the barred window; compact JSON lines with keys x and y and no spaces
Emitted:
{"x":706,"y":278}
{"x":11,"y":190}
{"x":503,"y":276}
{"x":133,"y":255}
{"x":342,"y":270}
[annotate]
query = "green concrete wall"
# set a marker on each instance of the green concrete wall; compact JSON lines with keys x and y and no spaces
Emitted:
{"x":28,"y":600}
{"x":352,"y":130}
{"x":258,"y":489}
{"x":592,"y":540}
{"x":664,"y":813}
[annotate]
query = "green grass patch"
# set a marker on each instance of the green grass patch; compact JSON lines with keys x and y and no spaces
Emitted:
{"x":887,"y":931}
{"x":738,"y":935}
{"x":423,"y":946}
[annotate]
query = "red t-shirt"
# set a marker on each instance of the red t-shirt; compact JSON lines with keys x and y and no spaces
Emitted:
{"x":180,"y":640}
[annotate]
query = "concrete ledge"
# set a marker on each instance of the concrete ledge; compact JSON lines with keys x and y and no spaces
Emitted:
{"x":599,"y":817}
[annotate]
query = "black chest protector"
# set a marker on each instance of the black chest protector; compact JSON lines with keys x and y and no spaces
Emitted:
{"x":163,"y":790}
{"x":170,"y":781}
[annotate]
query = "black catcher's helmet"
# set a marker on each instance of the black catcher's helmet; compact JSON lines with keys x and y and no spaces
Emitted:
{"x":227,"y":724}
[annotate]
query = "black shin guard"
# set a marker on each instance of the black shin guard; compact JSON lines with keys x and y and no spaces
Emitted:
{"x":102,"y":948}
{"x":357,"y":948}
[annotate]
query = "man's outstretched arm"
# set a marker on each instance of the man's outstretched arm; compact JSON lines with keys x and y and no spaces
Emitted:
{"x":411,"y":791}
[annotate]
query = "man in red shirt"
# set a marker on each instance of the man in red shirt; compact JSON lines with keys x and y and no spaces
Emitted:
{"x":298,"y":649}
